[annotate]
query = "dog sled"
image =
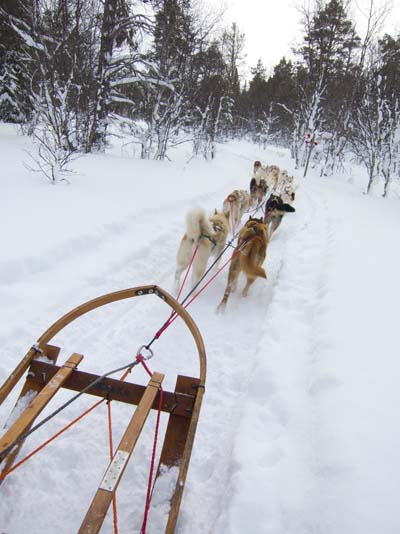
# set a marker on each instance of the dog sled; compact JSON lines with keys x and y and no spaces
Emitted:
{"x":44,"y":378}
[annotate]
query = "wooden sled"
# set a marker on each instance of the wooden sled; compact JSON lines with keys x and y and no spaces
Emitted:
{"x":44,"y":379}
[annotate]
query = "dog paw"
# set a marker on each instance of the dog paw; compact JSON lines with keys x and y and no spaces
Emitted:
{"x":221,"y":308}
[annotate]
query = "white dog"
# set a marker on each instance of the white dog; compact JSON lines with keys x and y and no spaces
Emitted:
{"x":209,"y":233}
{"x":287,"y":192}
{"x":232,"y":207}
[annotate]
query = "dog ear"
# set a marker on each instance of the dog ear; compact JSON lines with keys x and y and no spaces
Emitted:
{"x":215,"y":211}
{"x":288,"y":208}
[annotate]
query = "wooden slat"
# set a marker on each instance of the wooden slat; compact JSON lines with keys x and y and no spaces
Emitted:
{"x":181,"y":404}
{"x":31,"y":388}
{"x":184,"y":464}
{"x":178,"y":427}
{"x":16,"y":375}
{"x":27,"y":417}
{"x":102,"y":500}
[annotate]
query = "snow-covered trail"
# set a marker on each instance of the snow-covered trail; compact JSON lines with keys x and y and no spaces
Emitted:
{"x":42,"y":285}
{"x":245,"y":387}
{"x":281,"y":468}
{"x":293,"y":432}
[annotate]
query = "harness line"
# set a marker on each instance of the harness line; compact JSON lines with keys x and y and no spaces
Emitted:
{"x":69,"y":425}
{"x":127,"y":367}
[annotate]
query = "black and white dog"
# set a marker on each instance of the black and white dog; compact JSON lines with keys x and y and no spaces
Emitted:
{"x":275,"y":209}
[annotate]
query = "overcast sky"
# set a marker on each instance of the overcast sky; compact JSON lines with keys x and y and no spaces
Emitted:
{"x":272,"y":27}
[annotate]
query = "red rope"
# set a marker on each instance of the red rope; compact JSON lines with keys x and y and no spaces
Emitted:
{"x":111,"y":449}
{"x":202,"y":289}
{"x":183,"y":283}
{"x":153,"y":455}
{"x":175,"y":316}
{"x":187,"y":271}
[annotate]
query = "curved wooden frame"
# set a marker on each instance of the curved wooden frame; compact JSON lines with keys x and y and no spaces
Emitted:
{"x":108,"y":299}
{"x":97,"y":303}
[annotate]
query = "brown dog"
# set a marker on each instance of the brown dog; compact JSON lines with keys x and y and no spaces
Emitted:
{"x":248,"y":257}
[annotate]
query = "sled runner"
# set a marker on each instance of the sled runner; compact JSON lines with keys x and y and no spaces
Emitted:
{"x":44,"y":378}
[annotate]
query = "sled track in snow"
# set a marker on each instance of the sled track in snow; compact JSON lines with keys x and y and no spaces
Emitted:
{"x":231,"y":345}
{"x":121,"y":263}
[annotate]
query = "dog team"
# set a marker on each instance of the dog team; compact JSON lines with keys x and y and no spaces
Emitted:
{"x":271,"y":190}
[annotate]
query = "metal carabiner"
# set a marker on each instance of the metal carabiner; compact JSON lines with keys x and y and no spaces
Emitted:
{"x":150,"y":352}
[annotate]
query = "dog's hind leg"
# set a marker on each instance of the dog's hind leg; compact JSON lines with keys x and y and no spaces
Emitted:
{"x":222,"y":304}
{"x":249,"y":282}
{"x":178,"y":274}
{"x":233,"y":275}
{"x":183,"y":258}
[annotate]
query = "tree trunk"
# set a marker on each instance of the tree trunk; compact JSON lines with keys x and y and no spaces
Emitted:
{"x":98,"y":127}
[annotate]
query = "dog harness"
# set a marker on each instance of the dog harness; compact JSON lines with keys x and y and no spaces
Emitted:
{"x":205,"y":236}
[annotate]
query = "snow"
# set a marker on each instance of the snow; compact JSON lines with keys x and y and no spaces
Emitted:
{"x":297,"y":432}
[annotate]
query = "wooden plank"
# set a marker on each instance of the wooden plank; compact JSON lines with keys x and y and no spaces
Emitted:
{"x":101,"y":502}
{"x":184,"y":463}
{"x":31,"y":388}
{"x":178,"y":427}
{"x":27,"y":417}
{"x":181,"y":404}
{"x":16,"y":375}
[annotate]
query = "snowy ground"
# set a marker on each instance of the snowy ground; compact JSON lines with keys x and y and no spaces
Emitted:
{"x":298,"y":432}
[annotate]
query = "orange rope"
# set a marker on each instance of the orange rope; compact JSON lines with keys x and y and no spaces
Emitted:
{"x":43,"y":445}
{"x":57,"y":434}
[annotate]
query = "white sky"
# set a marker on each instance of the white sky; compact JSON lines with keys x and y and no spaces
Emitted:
{"x":272,"y":27}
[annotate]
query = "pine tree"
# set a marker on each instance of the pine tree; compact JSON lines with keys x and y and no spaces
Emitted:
{"x":210,"y":103}
{"x":171,"y":63}
{"x":15,"y":72}
{"x":330,"y":43}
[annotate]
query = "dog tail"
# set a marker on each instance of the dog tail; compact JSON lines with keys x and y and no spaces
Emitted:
{"x":197,"y":224}
{"x":248,"y":260}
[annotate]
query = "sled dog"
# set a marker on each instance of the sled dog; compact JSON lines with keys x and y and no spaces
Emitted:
{"x":232,"y":206}
{"x":286,"y":178}
{"x":275,"y":209}
{"x":245,"y":201}
{"x":209,"y":233}
{"x":270,"y":173}
{"x":236,"y":205}
{"x":287,"y":194}
{"x":248,"y":257}
{"x":258,"y":190}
